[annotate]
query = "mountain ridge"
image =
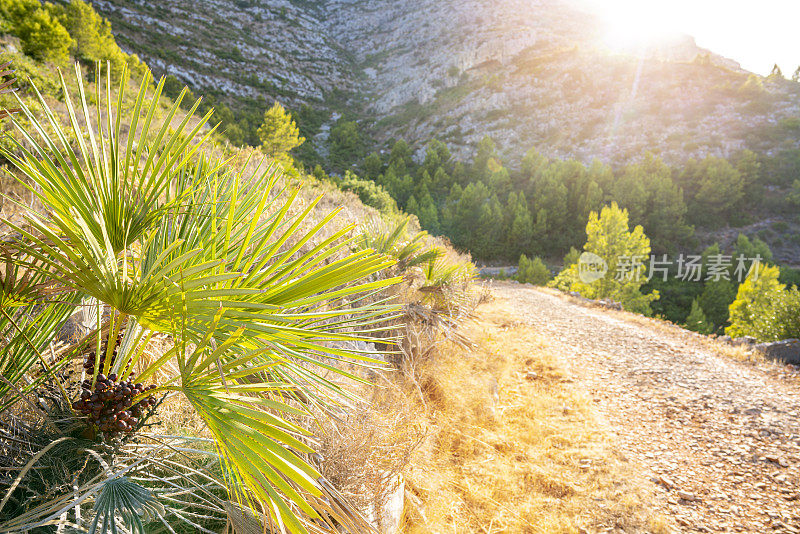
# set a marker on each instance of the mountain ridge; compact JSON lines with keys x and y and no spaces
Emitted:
{"x":529,"y":74}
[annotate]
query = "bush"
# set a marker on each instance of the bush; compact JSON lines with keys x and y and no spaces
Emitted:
{"x":765,"y":309}
{"x":533,"y":271}
{"x":369,"y":192}
{"x":91,"y":35}
{"x":609,"y":238}
{"x":41,"y":34}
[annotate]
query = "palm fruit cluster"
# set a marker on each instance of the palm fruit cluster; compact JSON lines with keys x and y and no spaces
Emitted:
{"x":109,"y":405}
{"x":91,"y":357}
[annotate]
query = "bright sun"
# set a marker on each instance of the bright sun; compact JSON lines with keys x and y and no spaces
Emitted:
{"x":633,"y":24}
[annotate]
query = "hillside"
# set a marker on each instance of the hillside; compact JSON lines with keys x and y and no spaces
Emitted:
{"x":525,"y":73}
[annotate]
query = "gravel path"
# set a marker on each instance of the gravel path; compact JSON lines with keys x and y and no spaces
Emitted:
{"x":720,"y":438}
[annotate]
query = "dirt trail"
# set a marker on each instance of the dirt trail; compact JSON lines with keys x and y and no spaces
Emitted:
{"x":720,"y":438}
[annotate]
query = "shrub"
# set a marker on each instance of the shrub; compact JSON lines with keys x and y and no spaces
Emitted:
{"x":533,"y":271}
{"x":41,"y":34}
{"x":278,"y":132}
{"x":369,"y":192}
{"x":764,"y":308}
{"x":624,"y":253}
{"x":91,"y":34}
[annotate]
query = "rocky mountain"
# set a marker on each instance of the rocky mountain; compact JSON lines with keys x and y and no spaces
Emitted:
{"x":526,"y":72}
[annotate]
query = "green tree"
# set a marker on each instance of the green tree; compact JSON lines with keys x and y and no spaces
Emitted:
{"x":625,"y":254}
{"x":400,"y":157}
{"x":91,"y":34}
{"x":661,"y":207}
{"x":750,"y":167}
{"x":373,"y":166}
{"x":696,"y":321}
{"x":717,"y":295}
{"x":486,"y":160}
{"x":488,"y":232}
{"x":764,"y":308}
{"x":550,"y":197}
{"x":533,"y":271}
{"x":346,"y":145}
{"x":42,"y":36}
{"x":715,"y":189}
{"x":571,"y":257}
{"x":752,"y":249}
{"x":520,"y":225}
{"x":279,"y":133}
{"x":428,"y":214}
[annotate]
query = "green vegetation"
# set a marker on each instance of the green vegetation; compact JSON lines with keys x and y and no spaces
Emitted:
{"x":346,"y":145}
{"x":697,"y":321}
{"x":279,"y":133}
{"x":764,"y":308}
{"x":43,"y":37}
{"x":166,"y":242}
{"x":54,"y":32}
{"x":542,"y":206}
{"x":624,"y":253}
{"x":369,"y":193}
{"x":533,"y":271}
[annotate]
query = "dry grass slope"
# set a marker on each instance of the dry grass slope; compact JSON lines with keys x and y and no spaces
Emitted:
{"x":512,"y":445}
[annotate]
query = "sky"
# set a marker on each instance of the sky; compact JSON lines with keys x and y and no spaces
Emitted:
{"x":756,"y":33}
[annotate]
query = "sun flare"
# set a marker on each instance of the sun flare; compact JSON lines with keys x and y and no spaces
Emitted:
{"x":633,"y":24}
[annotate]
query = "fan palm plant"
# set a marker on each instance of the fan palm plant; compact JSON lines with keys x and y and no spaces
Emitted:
{"x":256,"y":298}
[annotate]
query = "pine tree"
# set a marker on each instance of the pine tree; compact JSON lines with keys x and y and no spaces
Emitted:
{"x":373,"y":165}
{"x":487,"y":153}
{"x":520,"y":229}
{"x":752,"y":313}
{"x":428,"y":214}
{"x":279,"y":133}
{"x":346,"y":145}
{"x":715,"y":190}
{"x":696,"y":321}
{"x":624,"y":252}
{"x":715,"y":299}
{"x":91,"y":34}
{"x":400,"y":157}
{"x":42,"y":36}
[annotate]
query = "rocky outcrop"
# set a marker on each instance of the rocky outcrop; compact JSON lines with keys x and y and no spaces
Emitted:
{"x":787,"y":351}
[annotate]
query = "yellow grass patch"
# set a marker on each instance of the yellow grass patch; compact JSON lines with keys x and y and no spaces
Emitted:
{"x":514,"y":446}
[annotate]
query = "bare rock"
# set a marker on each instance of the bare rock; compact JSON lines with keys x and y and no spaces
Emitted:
{"x":787,"y":351}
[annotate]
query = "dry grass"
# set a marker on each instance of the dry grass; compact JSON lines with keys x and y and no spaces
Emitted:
{"x":513,"y":446}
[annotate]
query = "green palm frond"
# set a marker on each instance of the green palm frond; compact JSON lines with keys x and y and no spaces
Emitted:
{"x":122,"y":499}
{"x":32,"y":310}
{"x":394,"y":240}
{"x":111,"y":187}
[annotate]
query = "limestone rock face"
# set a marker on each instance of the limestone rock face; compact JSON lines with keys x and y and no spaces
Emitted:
{"x":530,"y":73}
